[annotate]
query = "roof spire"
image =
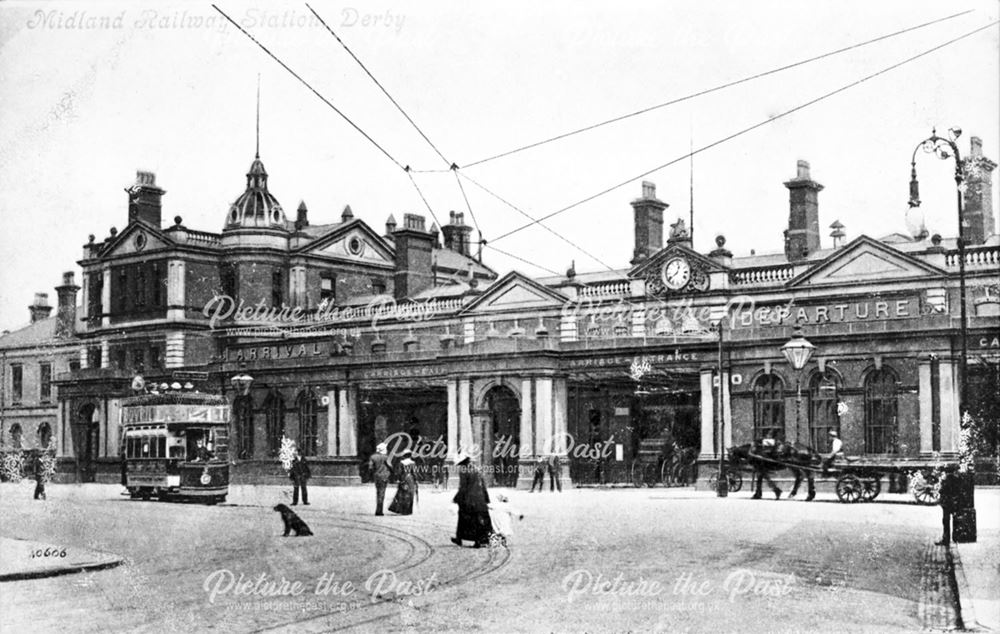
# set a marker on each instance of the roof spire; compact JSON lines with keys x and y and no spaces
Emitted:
{"x":257,"y":154}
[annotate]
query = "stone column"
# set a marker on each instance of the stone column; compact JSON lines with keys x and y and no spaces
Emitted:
{"x":105,"y":353}
{"x":82,"y":324}
{"x":708,"y":448}
{"x":465,"y":437}
{"x":347,"y":414}
{"x":106,"y":300}
{"x":113,"y":427}
{"x":332,"y":422}
{"x":527,"y":419}
{"x":452,"y":417}
{"x":568,"y":327}
{"x":727,"y":411}
{"x":926,"y":404}
{"x":560,"y":396}
{"x":84,"y":358}
{"x":174,"y":357}
{"x":176,"y":294}
{"x":543,"y":415}
{"x":950,"y":429}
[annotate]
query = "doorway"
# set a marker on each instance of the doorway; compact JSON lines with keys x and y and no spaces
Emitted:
{"x":87,"y":434}
{"x":501,"y":436}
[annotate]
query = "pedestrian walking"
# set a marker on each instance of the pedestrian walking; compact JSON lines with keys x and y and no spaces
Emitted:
{"x":300,"y":475}
{"x":473,"y":501}
{"x":379,"y":467}
{"x":407,"y":490}
{"x":39,"y":470}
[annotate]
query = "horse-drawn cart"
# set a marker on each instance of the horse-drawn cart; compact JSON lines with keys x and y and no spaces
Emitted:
{"x":859,"y":478}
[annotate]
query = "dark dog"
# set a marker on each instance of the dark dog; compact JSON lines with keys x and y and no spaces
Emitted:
{"x":292,"y":521}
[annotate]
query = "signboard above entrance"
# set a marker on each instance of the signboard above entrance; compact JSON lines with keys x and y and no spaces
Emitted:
{"x":858,"y":309}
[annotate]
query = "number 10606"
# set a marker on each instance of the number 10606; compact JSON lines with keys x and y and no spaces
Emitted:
{"x":48,"y":552}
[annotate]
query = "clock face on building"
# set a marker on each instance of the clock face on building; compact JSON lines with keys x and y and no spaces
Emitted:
{"x":676,"y":273}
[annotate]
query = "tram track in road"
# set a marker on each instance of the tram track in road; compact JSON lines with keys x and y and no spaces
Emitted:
{"x":497,"y":560}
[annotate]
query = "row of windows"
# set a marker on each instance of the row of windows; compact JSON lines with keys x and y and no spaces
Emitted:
{"x":881,"y":393}
{"x":43,"y":433}
{"x":306,"y":404}
{"x":44,"y":382}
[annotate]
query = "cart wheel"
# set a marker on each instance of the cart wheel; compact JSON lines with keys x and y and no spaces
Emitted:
{"x":926,"y":488}
{"x":735,"y":481}
{"x":666,"y":473}
{"x":636,"y":475}
{"x":870,"y":488}
{"x":849,"y":488}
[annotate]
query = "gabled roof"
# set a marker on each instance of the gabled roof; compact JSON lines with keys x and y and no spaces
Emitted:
{"x":325,"y":243}
{"x":40,"y":333}
{"x":865,"y":259}
{"x":123,"y":243}
{"x":515,"y":291}
{"x":670,"y":251}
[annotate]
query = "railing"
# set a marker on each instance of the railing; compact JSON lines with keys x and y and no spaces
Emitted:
{"x":607,"y":289}
{"x":763,"y":275}
{"x":203,"y":237}
{"x":988,"y":257}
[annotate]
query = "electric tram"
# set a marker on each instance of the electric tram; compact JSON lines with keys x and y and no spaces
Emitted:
{"x":176,"y":446}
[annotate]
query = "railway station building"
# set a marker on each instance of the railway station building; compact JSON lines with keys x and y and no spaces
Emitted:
{"x":341,"y":336}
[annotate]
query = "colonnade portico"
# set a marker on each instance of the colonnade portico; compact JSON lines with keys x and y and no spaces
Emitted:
{"x":542,"y":427}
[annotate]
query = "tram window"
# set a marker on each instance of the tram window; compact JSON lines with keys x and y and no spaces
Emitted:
{"x":162,"y":447}
{"x":145,"y":448}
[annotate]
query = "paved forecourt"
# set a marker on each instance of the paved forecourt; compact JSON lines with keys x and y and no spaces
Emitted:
{"x":583,"y":559}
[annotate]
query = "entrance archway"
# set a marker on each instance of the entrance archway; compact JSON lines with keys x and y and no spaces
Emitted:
{"x":500,"y":435}
{"x":87,"y":434}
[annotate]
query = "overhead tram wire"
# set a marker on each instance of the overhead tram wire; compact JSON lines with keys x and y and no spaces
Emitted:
{"x":710,"y":90}
{"x":313,"y":90}
{"x":530,"y":217}
{"x":748,"y":129}
{"x":422,"y":197}
{"x":379,"y":84}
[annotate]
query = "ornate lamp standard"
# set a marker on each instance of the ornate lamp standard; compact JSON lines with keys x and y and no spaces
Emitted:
{"x":946,"y":148}
{"x":797,"y":351}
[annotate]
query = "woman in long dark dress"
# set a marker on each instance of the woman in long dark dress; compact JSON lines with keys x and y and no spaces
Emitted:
{"x":473,"y":505}
{"x":406,"y":474}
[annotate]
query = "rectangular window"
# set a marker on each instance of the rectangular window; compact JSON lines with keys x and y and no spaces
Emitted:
{"x":228,"y":279}
{"x":95,"y":295}
{"x":138,"y":364}
{"x":94,"y":357}
{"x":155,"y":286}
{"x":121,"y":359}
{"x":74,"y":366}
{"x":16,"y":383}
{"x":378,"y":286}
{"x":154,"y":358}
{"x":45,"y":382}
{"x":328,"y":288}
{"x":120,"y":291}
{"x":277,"y":296}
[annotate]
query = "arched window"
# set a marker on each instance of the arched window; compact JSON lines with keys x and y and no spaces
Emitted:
{"x":769,"y":406}
{"x":307,"y":423}
{"x":881,"y":411}
{"x":274,"y":412}
{"x":44,"y":435}
{"x":823,"y":415}
{"x":15,"y":436}
{"x":243,"y":412}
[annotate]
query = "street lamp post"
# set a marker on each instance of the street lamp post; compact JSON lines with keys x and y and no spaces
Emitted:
{"x":722,"y":488}
{"x":797,"y":351}
{"x":946,"y":148}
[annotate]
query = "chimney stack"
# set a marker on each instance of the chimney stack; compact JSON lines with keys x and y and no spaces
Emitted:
{"x":302,"y":216}
{"x":40,"y":309}
{"x":390,"y":225}
{"x":648,"y":214}
{"x":802,"y":235}
{"x":457,"y":234}
{"x":413,"y":257}
{"x":66,"y":313}
{"x":144,"y":199}
{"x":980,"y":222}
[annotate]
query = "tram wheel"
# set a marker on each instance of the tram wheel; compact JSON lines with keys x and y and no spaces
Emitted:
{"x":849,"y":488}
{"x":870,"y":488}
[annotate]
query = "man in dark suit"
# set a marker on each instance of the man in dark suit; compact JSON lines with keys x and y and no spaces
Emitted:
{"x":299,"y":473}
{"x":555,"y":473}
{"x":949,"y":504}
{"x":379,"y":467}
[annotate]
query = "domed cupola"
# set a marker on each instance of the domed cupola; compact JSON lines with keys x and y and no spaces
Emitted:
{"x":256,"y":207}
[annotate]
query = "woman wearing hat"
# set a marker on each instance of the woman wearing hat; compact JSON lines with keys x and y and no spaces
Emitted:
{"x":406,"y":474}
{"x":473,"y":501}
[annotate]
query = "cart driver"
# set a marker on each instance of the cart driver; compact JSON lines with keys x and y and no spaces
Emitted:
{"x":836,"y":450}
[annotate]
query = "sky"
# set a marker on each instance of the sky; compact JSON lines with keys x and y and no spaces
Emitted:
{"x":90,"y":92}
